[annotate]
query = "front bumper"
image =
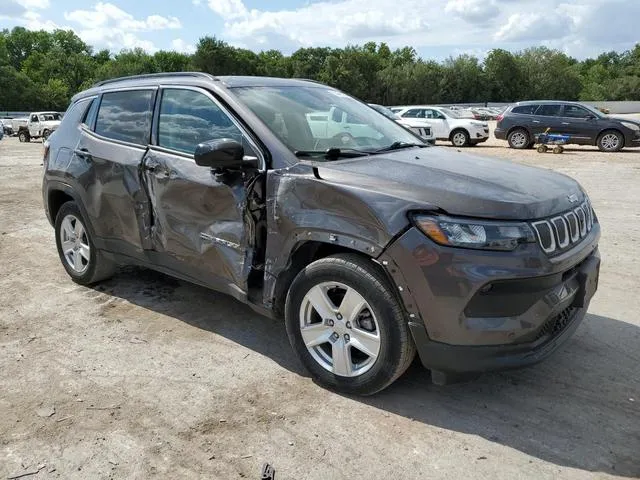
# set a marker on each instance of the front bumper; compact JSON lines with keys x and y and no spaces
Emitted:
{"x":474,"y":311}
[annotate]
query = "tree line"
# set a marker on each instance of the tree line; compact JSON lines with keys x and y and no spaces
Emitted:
{"x":42,"y":70}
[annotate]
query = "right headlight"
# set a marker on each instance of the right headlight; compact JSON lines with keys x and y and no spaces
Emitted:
{"x":471,"y":233}
{"x":631,"y":126}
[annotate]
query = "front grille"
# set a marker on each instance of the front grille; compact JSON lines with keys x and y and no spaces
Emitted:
{"x":422,"y":131}
{"x":559,"y":233}
{"x":555,"y":325}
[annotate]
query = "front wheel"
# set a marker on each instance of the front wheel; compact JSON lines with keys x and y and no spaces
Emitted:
{"x":610,"y":141}
{"x":460,"y":138}
{"x":346,"y":326}
{"x":23,"y":137}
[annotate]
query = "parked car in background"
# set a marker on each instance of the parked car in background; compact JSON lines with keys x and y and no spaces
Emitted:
{"x":6,"y":126}
{"x":583,"y":124}
{"x":418,"y":126}
{"x":448,"y":124}
{"x":369,"y":251}
{"x":39,"y":125}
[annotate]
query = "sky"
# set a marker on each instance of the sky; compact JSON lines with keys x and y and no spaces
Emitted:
{"x":437,"y":29}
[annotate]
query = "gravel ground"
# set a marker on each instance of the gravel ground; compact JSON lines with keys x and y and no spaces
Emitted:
{"x":144,"y":376}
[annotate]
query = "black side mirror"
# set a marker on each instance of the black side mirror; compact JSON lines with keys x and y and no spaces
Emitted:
{"x":224,"y":153}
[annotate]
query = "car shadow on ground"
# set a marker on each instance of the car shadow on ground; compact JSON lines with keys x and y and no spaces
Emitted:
{"x":579,"y":409}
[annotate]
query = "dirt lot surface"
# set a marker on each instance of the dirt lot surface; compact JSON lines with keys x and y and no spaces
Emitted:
{"x":144,"y":376}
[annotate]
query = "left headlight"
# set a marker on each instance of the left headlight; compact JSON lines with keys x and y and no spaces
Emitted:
{"x":478,"y":234}
{"x":631,"y":126}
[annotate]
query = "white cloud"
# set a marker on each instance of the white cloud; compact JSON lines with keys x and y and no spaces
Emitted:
{"x":322,"y":23}
{"x":576,"y":26}
{"x":11,"y":9}
{"x":180,"y":45}
{"x":533,"y":27}
{"x":107,"y":14}
{"x":34,"y":21}
{"x":31,"y":4}
{"x":21,"y":9}
{"x":228,"y":9}
{"x":109,"y":26}
{"x":473,"y":10}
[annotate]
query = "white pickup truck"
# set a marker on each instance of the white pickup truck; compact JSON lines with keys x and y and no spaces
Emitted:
{"x":336,"y":123}
{"x":38,"y":125}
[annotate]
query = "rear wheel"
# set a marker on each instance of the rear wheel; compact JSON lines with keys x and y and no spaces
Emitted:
{"x":610,"y":141}
{"x":558,"y":149}
{"x":542,"y":149}
{"x":45,"y":135}
{"x":519,"y":139}
{"x":346,"y":326}
{"x":460,"y":138}
{"x":84,"y":263}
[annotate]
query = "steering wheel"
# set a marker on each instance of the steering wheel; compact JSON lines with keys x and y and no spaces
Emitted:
{"x":343,"y":138}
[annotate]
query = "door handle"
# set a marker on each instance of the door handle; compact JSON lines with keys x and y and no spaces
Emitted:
{"x":566,"y":123}
{"x":536,"y":121}
{"x":82,"y":152}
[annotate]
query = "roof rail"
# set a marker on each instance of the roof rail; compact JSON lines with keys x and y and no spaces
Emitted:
{"x":155,"y":75}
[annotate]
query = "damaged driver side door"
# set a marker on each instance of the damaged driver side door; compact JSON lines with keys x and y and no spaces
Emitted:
{"x":199,"y":229}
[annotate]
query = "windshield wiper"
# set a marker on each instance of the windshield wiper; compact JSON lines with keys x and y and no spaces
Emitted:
{"x":400,"y":146}
{"x":332,"y":153}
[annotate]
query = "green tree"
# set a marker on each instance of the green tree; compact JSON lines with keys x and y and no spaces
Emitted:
{"x":503,"y":76}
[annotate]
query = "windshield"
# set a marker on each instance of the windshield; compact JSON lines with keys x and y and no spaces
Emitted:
{"x":384,"y":110}
{"x":594,"y":110}
{"x":313,"y":118}
{"x":453,"y":113}
{"x":46,"y":117}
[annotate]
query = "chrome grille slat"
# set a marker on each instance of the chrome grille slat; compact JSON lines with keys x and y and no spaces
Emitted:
{"x":563,"y":231}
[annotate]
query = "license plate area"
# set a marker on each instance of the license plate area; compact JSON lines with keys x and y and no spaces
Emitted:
{"x":587,"y":277}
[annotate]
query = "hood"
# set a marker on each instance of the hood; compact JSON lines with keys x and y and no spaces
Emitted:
{"x":624,"y":119}
{"x":457,"y":183}
{"x":413,"y":122}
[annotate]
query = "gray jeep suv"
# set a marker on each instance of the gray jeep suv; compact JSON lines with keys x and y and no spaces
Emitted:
{"x":371,"y":246}
{"x":519,"y":124}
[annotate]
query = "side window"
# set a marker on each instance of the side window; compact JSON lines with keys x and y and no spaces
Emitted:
{"x":575,"y":111}
{"x":525,"y":109}
{"x":188,"y":118}
{"x":552,"y":110}
{"x":90,"y":114}
{"x":413,"y":113}
{"x":126,"y":116}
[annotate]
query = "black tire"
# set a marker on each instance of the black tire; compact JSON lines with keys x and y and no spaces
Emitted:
{"x":519,"y":139}
{"x":45,"y":135}
{"x":397,"y":349}
{"x":460,"y":138}
{"x":24,"y":137}
{"x":607,"y":144}
{"x":98,"y":267}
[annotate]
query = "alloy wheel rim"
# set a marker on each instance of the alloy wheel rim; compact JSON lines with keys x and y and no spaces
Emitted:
{"x":75,"y":244}
{"x":339,"y":329}
{"x":518,"y":139}
{"x":610,"y":141}
{"x":459,"y":139}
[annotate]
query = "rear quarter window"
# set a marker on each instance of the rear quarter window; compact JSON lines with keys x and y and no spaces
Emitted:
{"x":126,"y":116}
{"x":525,"y":109}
